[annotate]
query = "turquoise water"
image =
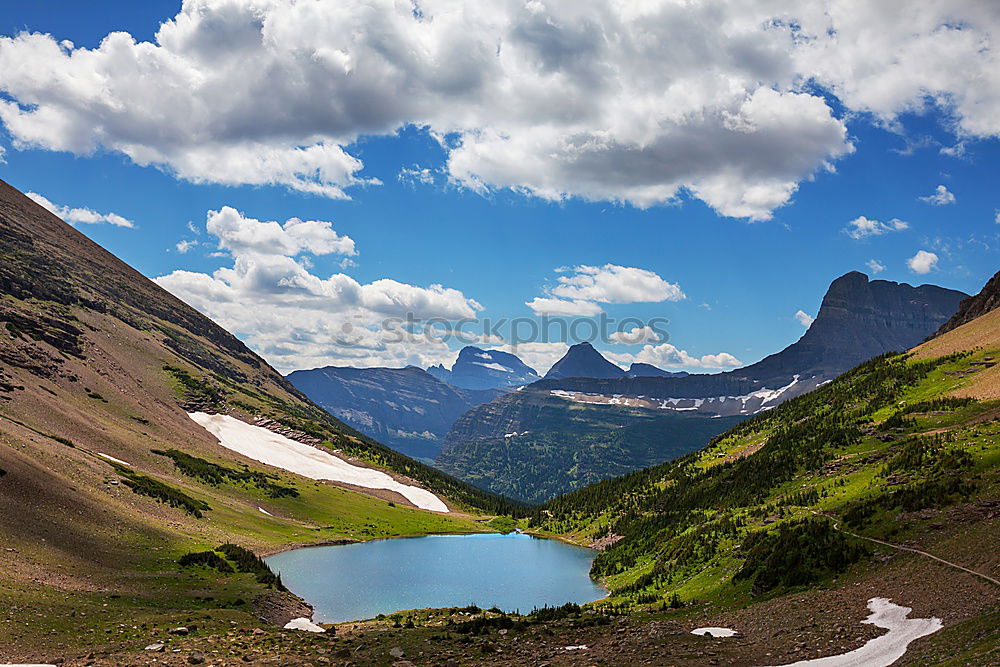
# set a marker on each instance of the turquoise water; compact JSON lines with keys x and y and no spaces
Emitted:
{"x":352,"y":582}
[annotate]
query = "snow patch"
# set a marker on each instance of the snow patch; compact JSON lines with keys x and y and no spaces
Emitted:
{"x":264,"y":511}
{"x":304,"y":624}
{"x":276,"y":450}
{"x":752,"y":403}
{"x":494,"y":367}
{"x":714,"y":632}
{"x":111,"y":458}
{"x":888,"y":648}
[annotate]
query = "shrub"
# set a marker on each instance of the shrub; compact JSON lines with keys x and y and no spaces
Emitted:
{"x":206,"y":558}
{"x":249,"y":562}
{"x":214,"y":474}
{"x":164,"y":493}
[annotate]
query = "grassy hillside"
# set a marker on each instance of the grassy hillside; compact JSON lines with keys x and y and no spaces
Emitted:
{"x":885,"y":451}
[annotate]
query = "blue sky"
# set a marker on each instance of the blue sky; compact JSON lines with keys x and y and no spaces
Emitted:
{"x":490,"y":234}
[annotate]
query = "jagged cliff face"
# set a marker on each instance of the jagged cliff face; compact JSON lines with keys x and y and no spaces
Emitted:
{"x":858,"y":319}
{"x":405,"y":408}
{"x":975,"y":306}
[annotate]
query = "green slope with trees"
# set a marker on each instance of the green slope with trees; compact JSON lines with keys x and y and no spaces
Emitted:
{"x":759,"y":510}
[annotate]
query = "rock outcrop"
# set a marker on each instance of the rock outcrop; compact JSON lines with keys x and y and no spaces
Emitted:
{"x":987,"y":300}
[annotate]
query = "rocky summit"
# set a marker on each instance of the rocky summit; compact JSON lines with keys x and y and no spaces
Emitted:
{"x":476,"y":368}
{"x":583,"y":361}
{"x":639,"y":370}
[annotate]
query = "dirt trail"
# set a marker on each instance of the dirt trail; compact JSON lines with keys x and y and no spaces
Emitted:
{"x":836,"y":526}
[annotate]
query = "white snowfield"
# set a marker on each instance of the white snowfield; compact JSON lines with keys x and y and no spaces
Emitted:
{"x":888,"y":648}
{"x":276,"y":450}
{"x":304,"y":624}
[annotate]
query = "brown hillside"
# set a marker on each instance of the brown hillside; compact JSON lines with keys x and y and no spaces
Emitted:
{"x":983,"y":333}
{"x":95,"y":360}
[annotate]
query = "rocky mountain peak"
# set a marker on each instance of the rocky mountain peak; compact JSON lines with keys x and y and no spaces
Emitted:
{"x":582,"y":360}
{"x":476,"y":368}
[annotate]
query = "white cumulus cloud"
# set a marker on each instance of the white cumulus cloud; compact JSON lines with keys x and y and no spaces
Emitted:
{"x":241,"y":235}
{"x":861,"y":227}
{"x":634,"y":336}
{"x":580,"y":289}
{"x":923,"y":262}
{"x":638,"y":102}
{"x":615,"y":284}
{"x":295,"y":318}
{"x":562,"y":307}
{"x":875,"y":266}
{"x":666,"y":355}
{"x":941,"y":197}
{"x":804,"y":318}
{"x":74,"y":215}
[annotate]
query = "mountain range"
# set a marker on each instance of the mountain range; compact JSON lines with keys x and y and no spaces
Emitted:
{"x":405,"y":408}
{"x":547,"y":438}
{"x":880,"y":486}
{"x":412,"y":410}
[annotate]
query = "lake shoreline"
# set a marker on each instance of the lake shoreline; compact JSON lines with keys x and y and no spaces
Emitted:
{"x":292,"y":546}
{"x":525,"y":571}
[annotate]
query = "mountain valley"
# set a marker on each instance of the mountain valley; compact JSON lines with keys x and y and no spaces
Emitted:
{"x":511,"y":334}
{"x":557,"y":434}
